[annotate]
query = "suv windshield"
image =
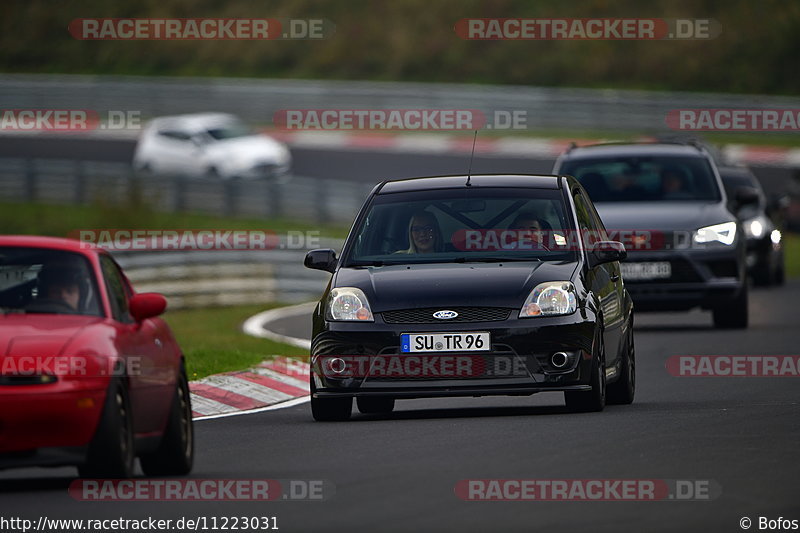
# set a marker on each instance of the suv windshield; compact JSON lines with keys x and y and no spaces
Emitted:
{"x":463,"y":225}
{"x":644,"y":179}
{"x":36,"y":280}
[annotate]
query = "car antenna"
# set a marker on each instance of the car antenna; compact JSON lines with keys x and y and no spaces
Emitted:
{"x":471,"y":156}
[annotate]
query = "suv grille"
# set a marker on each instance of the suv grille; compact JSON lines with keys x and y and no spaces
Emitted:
{"x":465,"y":314}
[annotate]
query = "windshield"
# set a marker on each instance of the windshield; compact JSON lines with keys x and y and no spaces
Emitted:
{"x":464,"y":225}
{"x":36,"y":280}
{"x":231,"y":130}
{"x":645,"y":179}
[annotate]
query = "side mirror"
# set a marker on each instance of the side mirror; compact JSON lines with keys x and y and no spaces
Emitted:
{"x":324,"y":259}
{"x":607,"y":252}
{"x":746,"y":196}
{"x":147,"y":305}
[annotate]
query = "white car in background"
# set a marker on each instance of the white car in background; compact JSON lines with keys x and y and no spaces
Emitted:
{"x":209,"y":145}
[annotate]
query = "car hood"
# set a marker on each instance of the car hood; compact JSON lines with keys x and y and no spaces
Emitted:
{"x":41,"y":335}
{"x":252,"y":148}
{"x":664,"y":216}
{"x":452,"y":285}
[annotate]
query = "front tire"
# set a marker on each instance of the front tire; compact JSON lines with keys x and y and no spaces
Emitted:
{"x":623,"y":390}
{"x":175,"y":455}
{"x":330,"y":409}
{"x":592,"y":400}
{"x":733,"y":315}
{"x":111,"y":453}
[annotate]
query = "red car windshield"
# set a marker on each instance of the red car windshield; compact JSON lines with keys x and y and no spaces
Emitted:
{"x":43,"y":281}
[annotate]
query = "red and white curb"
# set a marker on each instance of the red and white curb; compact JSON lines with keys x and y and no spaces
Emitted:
{"x":275,"y":383}
{"x":500,"y":146}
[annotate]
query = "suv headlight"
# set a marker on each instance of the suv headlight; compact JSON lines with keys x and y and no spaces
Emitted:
{"x":551,"y":298}
{"x":756,"y":227}
{"x":724,"y":233}
{"x":348,"y":303}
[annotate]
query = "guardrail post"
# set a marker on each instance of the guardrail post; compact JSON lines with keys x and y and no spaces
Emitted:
{"x":179,"y":194}
{"x":30,"y":180}
{"x":275,"y":200}
{"x":80,"y":182}
{"x":321,"y":200}
{"x":230,"y":196}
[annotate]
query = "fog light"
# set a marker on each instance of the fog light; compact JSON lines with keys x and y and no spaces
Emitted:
{"x":559,"y":359}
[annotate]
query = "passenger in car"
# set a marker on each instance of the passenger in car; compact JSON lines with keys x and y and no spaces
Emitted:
{"x":424,"y":234}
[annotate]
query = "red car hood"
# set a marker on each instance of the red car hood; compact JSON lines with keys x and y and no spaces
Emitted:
{"x":40,"y":335}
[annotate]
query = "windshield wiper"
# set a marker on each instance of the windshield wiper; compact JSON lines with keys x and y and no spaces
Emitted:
{"x":493,"y":259}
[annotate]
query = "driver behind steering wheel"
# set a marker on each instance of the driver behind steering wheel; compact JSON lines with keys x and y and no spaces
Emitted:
{"x":61,"y":288}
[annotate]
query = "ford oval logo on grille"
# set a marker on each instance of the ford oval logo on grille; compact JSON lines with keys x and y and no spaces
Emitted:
{"x":445,"y":315}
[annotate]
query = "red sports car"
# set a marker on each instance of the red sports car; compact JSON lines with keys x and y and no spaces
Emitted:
{"x":89,"y":375}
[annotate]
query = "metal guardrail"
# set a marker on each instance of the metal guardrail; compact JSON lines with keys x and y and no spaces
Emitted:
{"x":257,"y":100}
{"x":59,"y":181}
{"x":218,"y":278}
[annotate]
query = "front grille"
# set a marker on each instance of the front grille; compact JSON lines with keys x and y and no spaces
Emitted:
{"x":465,"y":314}
{"x":725,"y":268}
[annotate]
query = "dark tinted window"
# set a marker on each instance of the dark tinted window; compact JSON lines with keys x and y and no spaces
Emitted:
{"x":642,"y":179}
{"x":175,"y":135}
{"x":118,"y":290}
{"x":462,"y":224}
{"x":40,"y":280}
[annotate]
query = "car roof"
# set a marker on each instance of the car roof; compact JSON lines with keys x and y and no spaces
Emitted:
{"x":53,"y":243}
{"x":635,"y":149}
{"x":194,"y":121}
{"x":540,"y":181}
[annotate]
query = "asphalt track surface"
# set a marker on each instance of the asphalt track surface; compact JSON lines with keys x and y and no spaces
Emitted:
{"x":398,"y":472}
{"x":358,"y":165}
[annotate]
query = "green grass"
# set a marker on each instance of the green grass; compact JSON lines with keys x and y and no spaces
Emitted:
{"x":62,"y":220}
{"x":792,"y":252}
{"x":212,"y":340}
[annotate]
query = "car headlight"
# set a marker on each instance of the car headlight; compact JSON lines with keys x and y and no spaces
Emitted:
{"x":756,"y":228}
{"x":348,"y":303}
{"x":724,"y":233}
{"x":551,"y":298}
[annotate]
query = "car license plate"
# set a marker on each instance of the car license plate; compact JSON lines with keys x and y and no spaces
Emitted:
{"x":445,"y":342}
{"x":640,"y":271}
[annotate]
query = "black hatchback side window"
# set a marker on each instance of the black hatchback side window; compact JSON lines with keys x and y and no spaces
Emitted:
{"x":117,"y":290}
{"x":591,"y":228}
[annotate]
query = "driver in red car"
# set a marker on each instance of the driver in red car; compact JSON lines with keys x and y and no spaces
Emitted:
{"x":59,"y":287}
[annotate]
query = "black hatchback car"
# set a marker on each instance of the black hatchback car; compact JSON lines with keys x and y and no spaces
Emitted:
{"x":667,"y":203}
{"x":457,"y":286}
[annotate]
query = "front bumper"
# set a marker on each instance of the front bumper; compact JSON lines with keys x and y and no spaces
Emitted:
{"x":364,"y":359}
{"x":43,"y":418}
{"x":700,"y":278}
